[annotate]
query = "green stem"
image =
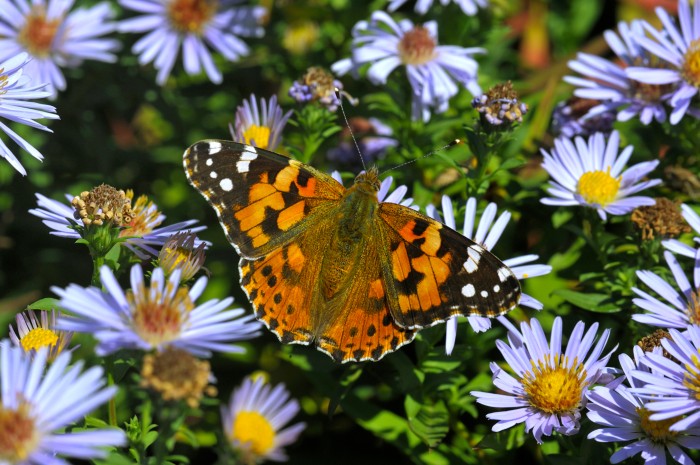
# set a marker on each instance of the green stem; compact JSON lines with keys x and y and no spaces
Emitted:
{"x":97,"y":262}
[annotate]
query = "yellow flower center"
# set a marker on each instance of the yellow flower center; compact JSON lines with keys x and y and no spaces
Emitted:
{"x":417,"y":46}
{"x":691,"y":378}
{"x":257,"y":135}
{"x":155,"y":319}
{"x":144,"y":217}
{"x":18,"y":435}
{"x":191,"y":16}
{"x":38,"y":33}
{"x":693,"y":309}
{"x":254,"y":430}
{"x":39,"y":337}
{"x":657,"y":431}
{"x":555,"y":388}
{"x":691,"y":64}
{"x":598,"y":187}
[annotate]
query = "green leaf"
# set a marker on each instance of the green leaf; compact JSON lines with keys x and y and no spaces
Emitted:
{"x":46,"y":304}
{"x":588,"y":301}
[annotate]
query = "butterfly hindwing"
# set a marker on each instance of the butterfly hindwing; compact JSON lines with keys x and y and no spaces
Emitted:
{"x":262,"y":199}
{"x":432,"y":272}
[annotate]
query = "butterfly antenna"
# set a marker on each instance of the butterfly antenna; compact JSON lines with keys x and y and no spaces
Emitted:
{"x":431,"y":153}
{"x":339,"y":95}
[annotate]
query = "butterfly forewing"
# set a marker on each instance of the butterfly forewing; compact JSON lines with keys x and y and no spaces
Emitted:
{"x":262,"y":198}
{"x":432,"y":272}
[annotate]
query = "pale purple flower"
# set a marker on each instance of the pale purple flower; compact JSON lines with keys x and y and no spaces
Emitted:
{"x":592,"y":174}
{"x":676,"y":246}
{"x":469,"y":7}
{"x":676,"y":309}
{"x":487,"y":234}
{"x":570,"y":119}
{"x":680,"y":50}
{"x":672,"y":386}
{"x":625,"y":417}
{"x":373,"y":139}
{"x":254,"y":418}
{"x":156,"y":316}
{"x":46,"y":401}
{"x":434,"y":71}
{"x":55,"y":37}
{"x":16,"y":105}
{"x":259,"y":127}
{"x":59,"y":217}
{"x":194,"y":27}
{"x":607,"y":81}
{"x":549,"y":388}
{"x":35,"y":332}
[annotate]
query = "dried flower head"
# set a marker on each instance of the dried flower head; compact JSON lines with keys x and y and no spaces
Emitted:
{"x":319,"y":85}
{"x":500,"y":105}
{"x":177,"y":375}
{"x":661,"y":219}
{"x":103,"y":204}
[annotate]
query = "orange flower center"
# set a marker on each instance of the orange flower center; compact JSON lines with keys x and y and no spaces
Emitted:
{"x":191,"y":15}
{"x":417,"y":46}
{"x":38,"y":33}
{"x":18,"y":434}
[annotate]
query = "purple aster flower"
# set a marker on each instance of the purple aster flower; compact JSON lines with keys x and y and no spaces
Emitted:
{"x":671,"y":388}
{"x":676,"y":246}
{"x":373,"y":138}
{"x":593,"y":175}
{"x":34,"y":332}
{"x":487,"y":234}
{"x":681,"y":51}
{"x":254,"y":418}
{"x":608,"y":82}
{"x":549,"y":388}
{"x":469,"y":7}
{"x":142,"y":234}
{"x":193,"y":25}
{"x":158,"y":316}
{"x":261,"y":129}
{"x":55,"y":37}
{"x":680,"y":309}
{"x":16,"y":95}
{"x":39,"y":402}
{"x":571,"y":119}
{"x":433,"y":70}
{"x":624,"y":417}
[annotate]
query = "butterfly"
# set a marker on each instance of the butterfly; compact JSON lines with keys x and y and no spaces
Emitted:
{"x":334,"y":267}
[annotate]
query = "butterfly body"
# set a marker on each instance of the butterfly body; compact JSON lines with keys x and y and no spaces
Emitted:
{"x":336,"y":267}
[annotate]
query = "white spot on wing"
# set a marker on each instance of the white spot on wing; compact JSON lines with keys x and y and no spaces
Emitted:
{"x":249,"y":153}
{"x":213,"y":175}
{"x":484,"y":294}
{"x":226,"y":184}
{"x":209,"y":162}
{"x":214,"y":147}
{"x":468,"y":290}
{"x":243,"y":166}
{"x":496,"y":288}
{"x":504,"y":273}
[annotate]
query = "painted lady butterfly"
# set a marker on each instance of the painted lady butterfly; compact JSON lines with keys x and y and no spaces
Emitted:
{"x":335,"y":267}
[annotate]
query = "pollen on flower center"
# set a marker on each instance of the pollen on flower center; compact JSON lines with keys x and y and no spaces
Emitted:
{"x":254,"y":430}
{"x":598,"y":187}
{"x":18,"y":435}
{"x":39,"y":337}
{"x":158,"y":320}
{"x":145,"y":216}
{"x":555,"y":387}
{"x":38,"y":33}
{"x":258,"y":136}
{"x":691,"y":378}
{"x":657,"y":431}
{"x":691,"y":64}
{"x":417,"y":46}
{"x":191,"y":15}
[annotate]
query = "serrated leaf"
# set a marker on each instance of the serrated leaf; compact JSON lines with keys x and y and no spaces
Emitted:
{"x":588,"y":301}
{"x":428,"y":422}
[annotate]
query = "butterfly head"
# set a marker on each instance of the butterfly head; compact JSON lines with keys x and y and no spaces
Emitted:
{"x":368,"y":181}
